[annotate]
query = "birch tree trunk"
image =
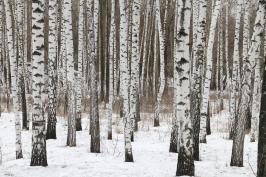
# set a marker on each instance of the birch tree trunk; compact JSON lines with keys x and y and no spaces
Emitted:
{"x":51,"y":124}
{"x":174,"y":140}
{"x":162,"y":65}
{"x":256,"y":98}
{"x":38,"y":154}
{"x":71,"y":133}
{"x":111,"y":71}
{"x":185,"y":164}
{"x":134,"y":83}
{"x":94,"y":124}
{"x":196,"y":91}
{"x":14,"y":75}
{"x":79,"y":68}
{"x":236,"y":58}
{"x":124,"y":83}
{"x":207,"y":78}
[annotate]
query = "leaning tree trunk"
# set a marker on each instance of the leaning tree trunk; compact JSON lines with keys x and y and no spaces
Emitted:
{"x":94,"y":120}
{"x":197,"y":74}
{"x":124,"y":83}
{"x":162,"y":65}
{"x":11,"y":37}
{"x":185,"y":164}
{"x":207,"y":78}
{"x":38,"y":154}
{"x":51,"y":123}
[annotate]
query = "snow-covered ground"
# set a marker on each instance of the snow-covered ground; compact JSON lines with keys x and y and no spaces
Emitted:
{"x":150,"y":151}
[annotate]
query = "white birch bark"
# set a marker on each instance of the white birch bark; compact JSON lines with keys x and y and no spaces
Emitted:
{"x":238,"y":141}
{"x":14,"y":76}
{"x":255,"y":59}
{"x":207,"y":78}
{"x":198,"y":61}
{"x":134,"y":83}
{"x":79,"y":84}
{"x":38,"y":155}
{"x":235,"y":73}
{"x":51,"y":124}
{"x":124,"y":83}
{"x":162,"y":66}
{"x":185,"y":164}
{"x":67,"y":14}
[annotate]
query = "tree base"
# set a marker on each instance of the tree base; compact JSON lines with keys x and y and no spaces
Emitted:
{"x":19,"y":155}
{"x":203,"y":141}
{"x":156,"y":123}
{"x":78,"y":122}
{"x":185,"y":165}
{"x":109,"y":136}
{"x":128,"y":157}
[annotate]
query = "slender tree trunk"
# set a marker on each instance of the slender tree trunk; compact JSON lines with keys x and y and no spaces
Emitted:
{"x":71,"y":76}
{"x":14,"y":75}
{"x":95,"y":127}
{"x":196,"y":91}
{"x":207,"y":78}
{"x":234,"y":87}
{"x":162,"y":65}
{"x":51,"y":124}
{"x":111,"y":72}
{"x":124,"y":83}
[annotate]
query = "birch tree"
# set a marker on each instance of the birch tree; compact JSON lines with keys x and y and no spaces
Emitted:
{"x":111,"y":71}
{"x":235,"y":72}
{"x":14,"y":74}
{"x":94,"y":120}
{"x":207,"y":78}
{"x":51,"y":123}
{"x":134,"y":82}
{"x":71,"y":133}
{"x":162,"y":65}
{"x":198,"y":73}
{"x":38,"y":153}
{"x":185,"y":164}
{"x":124,"y":83}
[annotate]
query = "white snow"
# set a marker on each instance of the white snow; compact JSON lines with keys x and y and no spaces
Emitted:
{"x":150,"y":151}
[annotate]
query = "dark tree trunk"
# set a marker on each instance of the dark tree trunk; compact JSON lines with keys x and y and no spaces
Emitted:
{"x":25,"y":124}
{"x":208,"y":126}
{"x":261,"y":167}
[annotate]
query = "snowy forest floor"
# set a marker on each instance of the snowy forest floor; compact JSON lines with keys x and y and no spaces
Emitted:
{"x":150,"y":150}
